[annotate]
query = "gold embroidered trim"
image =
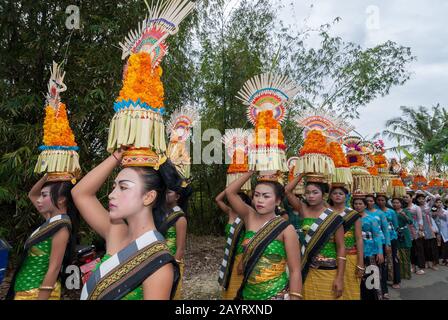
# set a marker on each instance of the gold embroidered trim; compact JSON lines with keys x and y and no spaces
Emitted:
{"x":259,"y":236}
{"x":124,"y":269}
{"x":46,"y":229}
{"x":316,"y":236}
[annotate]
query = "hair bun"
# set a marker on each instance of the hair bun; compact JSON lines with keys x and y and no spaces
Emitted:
{"x":171,"y":178}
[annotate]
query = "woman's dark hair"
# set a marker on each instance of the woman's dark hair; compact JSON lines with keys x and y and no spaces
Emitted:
{"x":57,"y":189}
{"x":381,"y":195}
{"x":330,"y":201}
{"x":160,"y":180}
{"x":403,"y":204}
{"x":418,"y":196}
{"x":324,"y":188}
{"x":279,"y":190}
{"x":63,"y":189}
{"x":407,"y":194}
{"x":434,"y":208}
{"x":247,"y":200}
{"x":361,"y":199}
{"x":184,"y":194}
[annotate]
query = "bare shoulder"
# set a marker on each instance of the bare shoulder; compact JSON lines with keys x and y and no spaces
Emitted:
{"x":289,"y":231}
{"x":181,"y":220}
{"x":62,"y":234}
{"x":162,"y":280}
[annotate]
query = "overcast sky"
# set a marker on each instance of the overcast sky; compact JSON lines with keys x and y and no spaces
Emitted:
{"x":421,"y":25}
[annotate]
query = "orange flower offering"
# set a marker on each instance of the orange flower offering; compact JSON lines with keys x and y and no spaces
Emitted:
{"x":404,"y":173}
{"x":315,"y":142}
{"x":420,"y":179}
{"x":355,"y":161}
{"x":380,"y":160}
{"x":338,"y":156}
{"x":57,"y":130}
{"x":373,"y":171}
{"x":397,"y":183}
{"x":265,"y":125}
{"x":435,"y":183}
{"x":445,"y":183}
{"x":142,"y":82}
{"x":236,"y":167}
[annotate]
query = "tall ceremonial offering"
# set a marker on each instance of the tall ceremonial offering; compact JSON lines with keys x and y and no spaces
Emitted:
{"x":435,"y":184}
{"x":445,"y":182}
{"x":267,"y":97}
{"x":383,"y":167}
{"x":356,"y":151}
{"x":59,"y":156}
{"x":396,"y":187}
{"x":236,"y":142}
{"x":380,"y":159}
{"x":138,"y":120}
{"x":419,"y":181}
{"x":314,"y":157}
{"x":343,"y":175}
{"x":355,"y":155}
{"x":378,"y":181}
{"x":179,"y":130}
{"x":396,"y":168}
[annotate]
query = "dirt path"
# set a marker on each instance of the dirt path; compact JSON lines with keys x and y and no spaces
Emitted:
{"x":202,"y":260}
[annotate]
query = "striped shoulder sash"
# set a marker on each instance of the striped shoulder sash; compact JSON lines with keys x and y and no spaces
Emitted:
{"x":318,"y":234}
{"x":128,"y":268}
{"x":225,"y":271}
{"x":171,"y":220}
{"x":350,"y":216}
{"x":256,"y":246}
{"x":48,"y":229}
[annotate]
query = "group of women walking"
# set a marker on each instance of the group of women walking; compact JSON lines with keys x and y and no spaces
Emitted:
{"x":344,"y":246}
{"x":352,"y":246}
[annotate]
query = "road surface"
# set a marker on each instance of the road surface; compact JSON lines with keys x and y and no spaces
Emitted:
{"x":433,"y":285}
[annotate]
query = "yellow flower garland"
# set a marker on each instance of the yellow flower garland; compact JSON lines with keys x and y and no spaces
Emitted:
{"x":57,"y":130}
{"x":265,"y":121}
{"x":315,"y":142}
{"x":235,"y":167}
{"x":338,"y":156}
{"x":142,"y":82}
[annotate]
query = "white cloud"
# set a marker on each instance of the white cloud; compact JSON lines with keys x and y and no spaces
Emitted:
{"x":417,"y":24}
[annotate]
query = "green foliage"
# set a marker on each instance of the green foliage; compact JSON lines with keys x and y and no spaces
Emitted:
{"x":342,"y":76}
{"x":33,"y":35}
{"x":423,"y":131}
{"x":212,"y":55}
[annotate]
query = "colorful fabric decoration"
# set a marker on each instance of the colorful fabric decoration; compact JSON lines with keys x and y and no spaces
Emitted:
{"x":179,"y":130}
{"x":59,"y":156}
{"x":267,"y":97}
{"x":236,"y":142}
{"x":138,"y":121}
{"x":314,"y":156}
